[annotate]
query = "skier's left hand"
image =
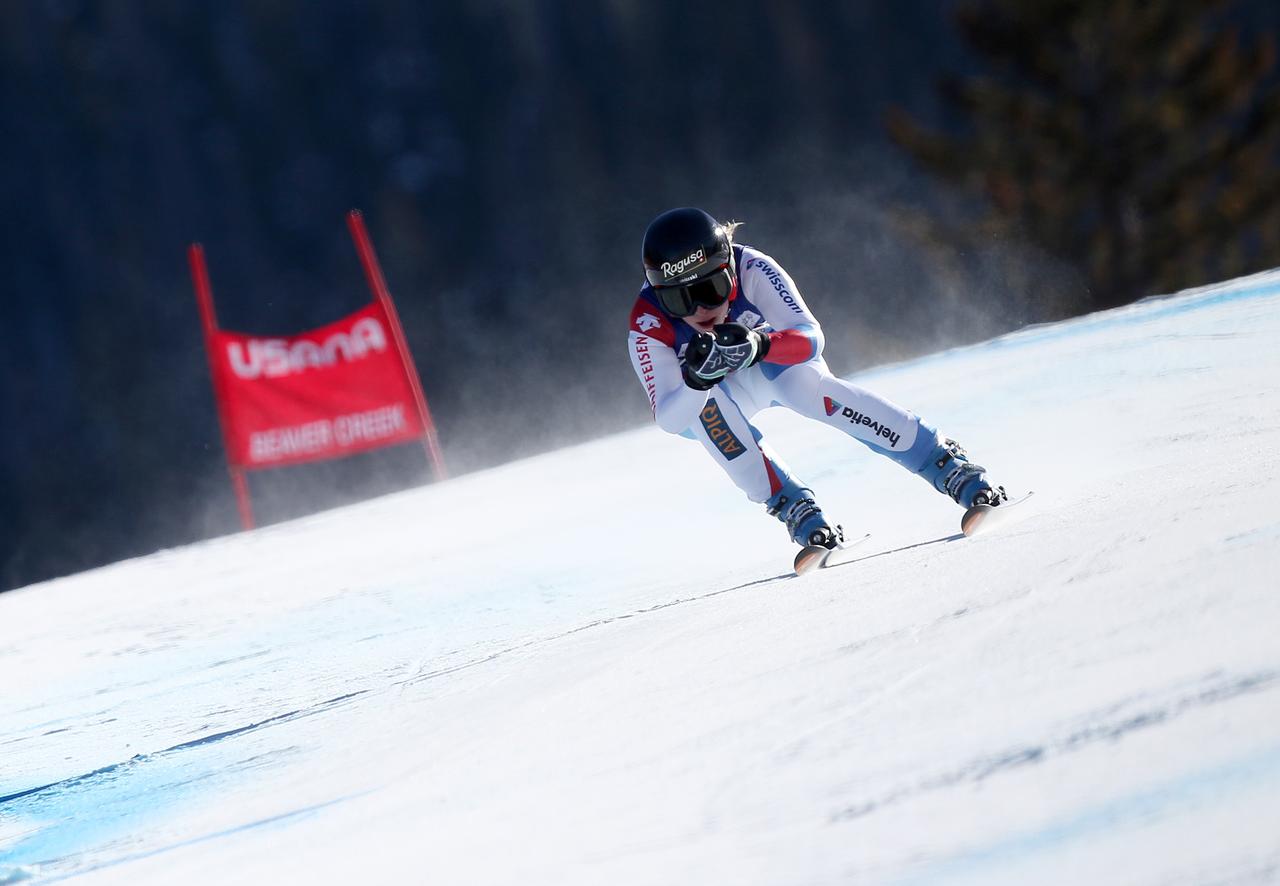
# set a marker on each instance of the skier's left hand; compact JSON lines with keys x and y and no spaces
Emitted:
{"x":709,"y":358}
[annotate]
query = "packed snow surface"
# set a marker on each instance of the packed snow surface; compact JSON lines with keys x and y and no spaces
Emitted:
{"x":594,"y":666}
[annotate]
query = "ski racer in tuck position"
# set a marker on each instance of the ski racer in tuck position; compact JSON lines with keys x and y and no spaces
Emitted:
{"x":719,"y":332}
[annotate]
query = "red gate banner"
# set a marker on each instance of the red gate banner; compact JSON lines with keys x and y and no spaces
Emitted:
{"x":325,"y":393}
{"x":334,"y":391}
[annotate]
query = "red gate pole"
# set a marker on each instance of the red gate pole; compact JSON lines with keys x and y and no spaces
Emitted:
{"x":204,"y":295}
{"x":373,"y":273}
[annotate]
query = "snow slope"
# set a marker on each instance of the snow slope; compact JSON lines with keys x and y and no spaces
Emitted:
{"x":374,"y":695}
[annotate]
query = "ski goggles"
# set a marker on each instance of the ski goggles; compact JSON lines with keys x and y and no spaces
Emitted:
{"x":708,"y":292}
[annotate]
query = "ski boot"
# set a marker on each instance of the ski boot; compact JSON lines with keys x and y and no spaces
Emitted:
{"x":794,"y":506}
{"x":951,"y":472}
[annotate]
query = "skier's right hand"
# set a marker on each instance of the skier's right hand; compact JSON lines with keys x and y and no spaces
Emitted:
{"x":697,"y":370}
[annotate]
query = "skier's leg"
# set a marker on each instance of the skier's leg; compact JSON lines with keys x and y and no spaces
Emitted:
{"x":811,"y":390}
{"x":736,"y":446}
{"x":740,"y":451}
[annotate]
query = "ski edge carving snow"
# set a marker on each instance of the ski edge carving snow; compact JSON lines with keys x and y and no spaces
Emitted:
{"x":983,"y":518}
{"x":814,"y":557}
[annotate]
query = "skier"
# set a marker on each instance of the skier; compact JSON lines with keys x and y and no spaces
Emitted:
{"x":719,"y":331}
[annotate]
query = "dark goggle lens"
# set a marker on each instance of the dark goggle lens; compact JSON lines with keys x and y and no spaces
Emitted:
{"x":709,"y":292}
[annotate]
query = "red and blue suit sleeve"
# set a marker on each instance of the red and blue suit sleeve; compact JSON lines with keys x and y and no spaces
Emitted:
{"x":788,"y":347}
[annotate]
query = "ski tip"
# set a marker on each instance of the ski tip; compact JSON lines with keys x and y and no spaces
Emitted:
{"x":810,"y":558}
{"x":973,"y":518}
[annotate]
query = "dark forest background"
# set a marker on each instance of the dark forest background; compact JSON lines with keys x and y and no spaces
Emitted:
{"x":932,"y":173}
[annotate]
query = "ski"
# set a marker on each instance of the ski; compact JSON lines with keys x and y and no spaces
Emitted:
{"x":814,"y":557}
{"x":984,"y":518}
{"x":979,"y":518}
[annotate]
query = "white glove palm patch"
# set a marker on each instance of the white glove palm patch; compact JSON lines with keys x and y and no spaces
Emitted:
{"x":723,"y":360}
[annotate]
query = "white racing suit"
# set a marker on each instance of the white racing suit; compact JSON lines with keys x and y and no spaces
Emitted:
{"x":792,"y":374}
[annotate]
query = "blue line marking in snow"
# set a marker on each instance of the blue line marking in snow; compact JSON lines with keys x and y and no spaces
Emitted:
{"x":1257,"y":772}
{"x":119,"y":813}
{"x":110,"y":806}
{"x":20,"y":874}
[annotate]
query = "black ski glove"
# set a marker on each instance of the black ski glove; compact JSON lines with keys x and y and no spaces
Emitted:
{"x":709,"y":358}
